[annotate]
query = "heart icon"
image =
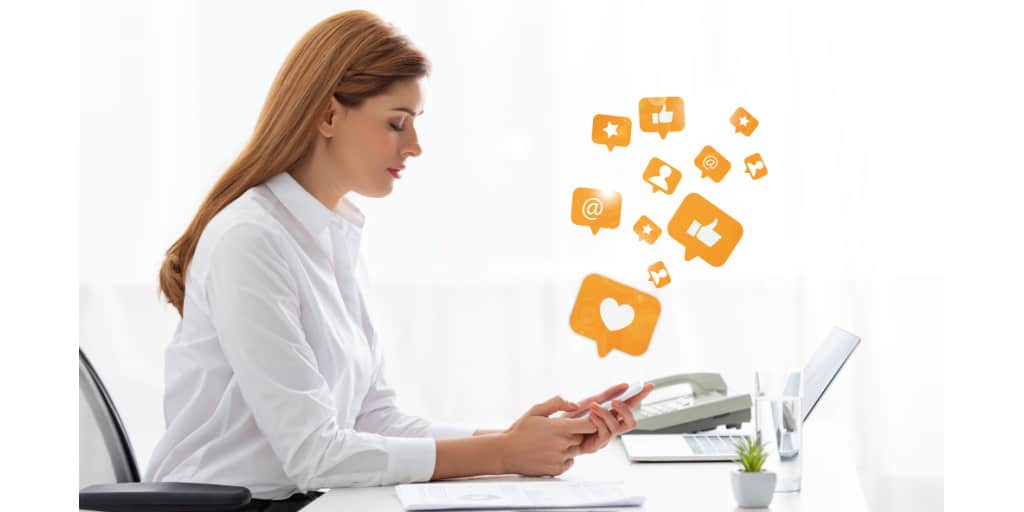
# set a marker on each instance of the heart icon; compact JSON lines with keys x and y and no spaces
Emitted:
{"x":614,"y":315}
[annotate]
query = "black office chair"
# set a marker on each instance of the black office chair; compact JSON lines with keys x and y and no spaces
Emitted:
{"x":105,"y":455}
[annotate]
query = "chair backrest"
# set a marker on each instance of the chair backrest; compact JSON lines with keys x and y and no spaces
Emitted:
{"x":104,"y":453}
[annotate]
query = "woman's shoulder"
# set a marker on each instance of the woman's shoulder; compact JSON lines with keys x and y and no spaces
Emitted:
{"x":247,"y":223}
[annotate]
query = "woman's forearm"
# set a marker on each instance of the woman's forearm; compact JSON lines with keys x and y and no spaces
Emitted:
{"x":487,"y":431}
{"x":469,"y":456}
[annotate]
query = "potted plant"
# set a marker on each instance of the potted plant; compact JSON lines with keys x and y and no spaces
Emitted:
{"x":751,"y":484}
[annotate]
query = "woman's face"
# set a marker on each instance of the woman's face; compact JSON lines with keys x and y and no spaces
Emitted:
{"x":367,"y":146}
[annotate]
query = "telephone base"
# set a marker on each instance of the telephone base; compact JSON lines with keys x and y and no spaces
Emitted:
{"x":730,"y":420}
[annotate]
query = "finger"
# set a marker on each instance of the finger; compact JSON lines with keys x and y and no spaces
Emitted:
{"x":602,"y":425}
{"x":605,"y":395}
{"x":626,"y":418}
{"x":611,"y":392}
{"x":595,"y":419}
{"x":576,"y":439}
{"x":551,"y":406}
{"x":620,"y":424}
{"x":567,"y":464}
{"x":579,"y":426}
{"x":607,"y":422}
{"x":571,"y":452}
{"x":578,"y":413}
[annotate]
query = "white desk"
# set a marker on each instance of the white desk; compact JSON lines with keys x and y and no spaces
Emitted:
{"x":829,"y":482}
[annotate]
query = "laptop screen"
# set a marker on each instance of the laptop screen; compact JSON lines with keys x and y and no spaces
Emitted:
{"x":825,"y":364}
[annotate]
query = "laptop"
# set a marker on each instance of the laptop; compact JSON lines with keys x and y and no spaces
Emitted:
{"x":819,"y":373}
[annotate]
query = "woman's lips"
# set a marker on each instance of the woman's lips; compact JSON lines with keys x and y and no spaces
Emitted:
{"x":394,"y":172}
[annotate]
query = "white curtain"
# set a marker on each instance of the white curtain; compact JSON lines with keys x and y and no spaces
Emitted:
{"x":474,"y":261}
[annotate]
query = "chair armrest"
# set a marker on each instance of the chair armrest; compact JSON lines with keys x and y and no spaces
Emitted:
{"x":162,"y":497}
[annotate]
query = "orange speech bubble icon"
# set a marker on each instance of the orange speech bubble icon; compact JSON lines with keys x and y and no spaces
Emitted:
{"x":704,"y":230}
{"x":743,"y":121}
{"x":662,"y":177}
{"x":712,"y":164}
{"x":611,"y":130}
{"x":614,"y":315}
{"x":755,"y":166}
{"x":647,"y":230}
{"x":662,"y":115}
{"x":596,"y":209}
{"x":657,"y":274}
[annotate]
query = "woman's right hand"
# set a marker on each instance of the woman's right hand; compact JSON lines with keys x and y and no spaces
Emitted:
{"x":536,"y":445}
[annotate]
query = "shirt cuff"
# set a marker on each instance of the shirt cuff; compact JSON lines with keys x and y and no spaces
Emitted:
{"x":450,"y":431}
{"x":410,"y":459}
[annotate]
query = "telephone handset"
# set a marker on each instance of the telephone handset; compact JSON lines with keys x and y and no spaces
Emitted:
{"x":704,"y":405}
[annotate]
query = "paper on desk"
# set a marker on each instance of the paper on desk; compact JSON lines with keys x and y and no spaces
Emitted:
{"x":525,"y":494}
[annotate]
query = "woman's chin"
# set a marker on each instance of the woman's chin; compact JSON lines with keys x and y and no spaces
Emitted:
{"x":377,"y":190}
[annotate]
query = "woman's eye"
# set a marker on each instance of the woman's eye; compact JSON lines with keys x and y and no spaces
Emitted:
{"x":395,"y":127}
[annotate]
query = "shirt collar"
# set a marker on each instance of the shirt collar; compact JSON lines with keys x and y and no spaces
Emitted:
{"x":310,"y":212}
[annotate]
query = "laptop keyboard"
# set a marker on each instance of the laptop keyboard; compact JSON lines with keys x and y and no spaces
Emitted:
{"x":705,"y":444}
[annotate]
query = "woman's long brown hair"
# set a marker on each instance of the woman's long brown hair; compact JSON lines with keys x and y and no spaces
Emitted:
{"x":352,"y":56}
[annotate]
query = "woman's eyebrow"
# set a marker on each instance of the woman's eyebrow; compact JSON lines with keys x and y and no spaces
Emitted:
{"x":408,"y":111}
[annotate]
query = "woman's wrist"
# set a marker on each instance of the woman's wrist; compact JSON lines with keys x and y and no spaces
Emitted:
{"x":470,"y":456}
{"x":500,"y":453}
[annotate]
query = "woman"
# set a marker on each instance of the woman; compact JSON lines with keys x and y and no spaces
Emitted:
{"x":273,"y":377}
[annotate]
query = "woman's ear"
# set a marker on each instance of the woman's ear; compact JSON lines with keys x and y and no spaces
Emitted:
{"x":328,"y":126}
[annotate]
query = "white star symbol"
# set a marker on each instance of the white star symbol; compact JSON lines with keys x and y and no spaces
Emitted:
{"x":744,"y":120}
{"x":647,"y":229}
{"x":611,"y":130}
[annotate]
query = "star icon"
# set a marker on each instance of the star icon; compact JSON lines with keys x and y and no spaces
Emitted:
{"x":744,"y":120}
{"x":611,"y":130}
{"x":647,"y":229}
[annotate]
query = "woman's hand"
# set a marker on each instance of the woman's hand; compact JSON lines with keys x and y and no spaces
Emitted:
{"x":537,"y":445}
{"x":609,"y":423}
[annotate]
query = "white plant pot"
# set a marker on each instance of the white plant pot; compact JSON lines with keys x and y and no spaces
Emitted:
{"x":753,"y":490}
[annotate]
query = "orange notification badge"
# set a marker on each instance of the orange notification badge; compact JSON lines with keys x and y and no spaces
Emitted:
{"x":596,"y":209}
{"x":743,"y":122}
{"x":662,"y":114}
{"x":611,"y":130}
{"x":647,"y":230}
{"x":712,"y":164}
{"x":662,"y":177}
{"x":614,"y":315}
{"x":657,"y":274}
{"x":755,"y":166}
{"x":704,"y":230}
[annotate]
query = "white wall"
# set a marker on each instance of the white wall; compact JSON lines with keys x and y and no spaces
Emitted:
{"x":474,"y":261}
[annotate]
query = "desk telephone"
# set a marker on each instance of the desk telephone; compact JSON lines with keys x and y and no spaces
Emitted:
{"x":702,"y":404}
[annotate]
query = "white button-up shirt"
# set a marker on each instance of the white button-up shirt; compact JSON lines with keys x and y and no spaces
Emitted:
{"x":274,"y":376}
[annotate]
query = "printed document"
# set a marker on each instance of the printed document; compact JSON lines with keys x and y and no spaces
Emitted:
{"x":514,"y":494}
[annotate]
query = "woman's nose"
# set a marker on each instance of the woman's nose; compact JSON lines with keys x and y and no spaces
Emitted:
{"x":412,"y":146}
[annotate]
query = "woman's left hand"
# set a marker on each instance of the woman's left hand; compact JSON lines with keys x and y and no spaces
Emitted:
{"x":610,"y":423}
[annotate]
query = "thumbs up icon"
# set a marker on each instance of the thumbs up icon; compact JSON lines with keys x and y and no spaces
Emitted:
{"x":704,"y":230}
{"x":665,"y":116}
{"x":662,"y":114}
{"x":706,"y":234}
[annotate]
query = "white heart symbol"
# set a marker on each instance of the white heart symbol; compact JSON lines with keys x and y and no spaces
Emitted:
{"x":614,"y":315}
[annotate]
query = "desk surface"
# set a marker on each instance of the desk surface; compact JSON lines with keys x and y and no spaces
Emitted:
{"x":830,"y":482}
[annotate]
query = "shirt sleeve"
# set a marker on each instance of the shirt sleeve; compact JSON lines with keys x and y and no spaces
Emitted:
{"x":381,"y":414}
{"x":254,"y":306}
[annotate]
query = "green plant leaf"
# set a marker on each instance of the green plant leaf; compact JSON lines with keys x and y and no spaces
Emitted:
{"x":751,"y":454}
